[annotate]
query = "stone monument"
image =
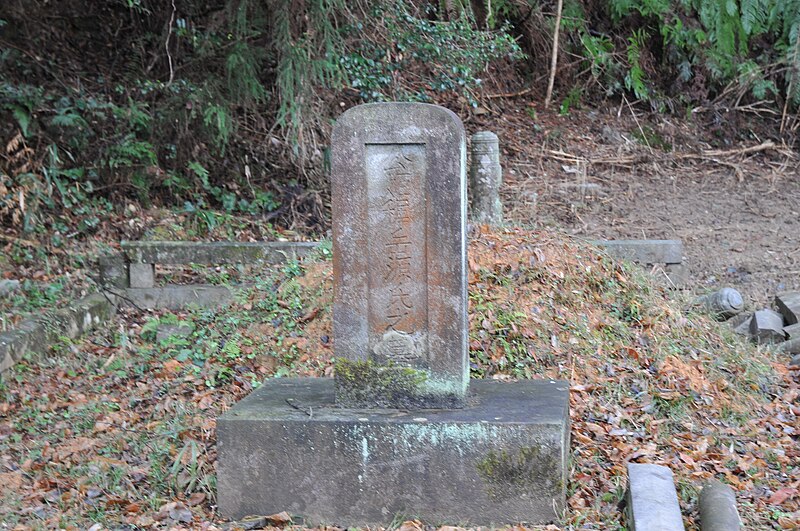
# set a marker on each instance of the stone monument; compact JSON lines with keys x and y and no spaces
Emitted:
{"x":401,"y":430}
{"x":485,"y":178}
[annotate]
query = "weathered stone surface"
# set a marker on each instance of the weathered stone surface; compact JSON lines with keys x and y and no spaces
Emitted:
{"x":718,"y":508}
{"x":177,"y":297}
{"x":791,"y":347}
{"x":214,"y":253}
{"x":399,"y":254}
{"x":741,"y":324}
{"x":678,"y":275}
{"x":792,"y":331}
{"x":142,"y":275}
{"x":34,"y":336}
{"x":113,"y":270}
{"x":485,"y":178}
{"x":644,"y":251}
{"x":724,"y":303}
{"x":166,"y":331}
{"x":795,"y":361}
{"x":789,"y":305}
{"x":652,"y":502}
{"x":8,"y":286}
{"x":767,"y":327}
{"x":501,"y":459}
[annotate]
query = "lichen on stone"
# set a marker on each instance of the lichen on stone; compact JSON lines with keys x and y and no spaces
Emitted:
{"x":370,"y":384}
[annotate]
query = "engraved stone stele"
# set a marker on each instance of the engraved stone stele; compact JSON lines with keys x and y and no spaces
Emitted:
{"x":396,"y":432}
{"x":399,"y":257}
{"x":485,"y":178}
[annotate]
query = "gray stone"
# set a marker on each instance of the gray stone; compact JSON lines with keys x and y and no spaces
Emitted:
{"x":34,"y":336}
{"x":718,"y":508}
{"x":652,"y":502}
{"x":167,"y":331}
{"x":792,"y":331}
{"x":485,"y":178}
{"x":789,"y":305}
{"x":644,"y":251}
{"x":795,"y":361}
{"x":8,"y":286}
{"x":399,"y":255}
{"x":500,"y":459}
{"x":741,"y":324}
{"x":767,"y":327}
{"x":142,"y":275}
{"x":724,"y":303}
{"x":177,"y":297}
{"x":677,"y":275}
{"x":214,"y":253}
{"x":113,"y":270}
{"x":791,"y":347}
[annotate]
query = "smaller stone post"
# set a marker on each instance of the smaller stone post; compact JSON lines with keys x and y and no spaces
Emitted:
{"x":485,"y":178}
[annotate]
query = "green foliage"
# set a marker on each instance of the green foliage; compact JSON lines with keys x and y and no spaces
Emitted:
{"x":453,"y":54}
{"x":751,"y":45}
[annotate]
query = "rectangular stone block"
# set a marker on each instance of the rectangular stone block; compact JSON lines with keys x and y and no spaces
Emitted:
{"x":177,"y":297}
{"x":652,"y":502}
{"x":644,"y":251}
{"x":500,"y":459}
{"x":142,"y":275}
{"x":789,"y":305}
{"x":399,"y":256}
{"x":214,"y":253}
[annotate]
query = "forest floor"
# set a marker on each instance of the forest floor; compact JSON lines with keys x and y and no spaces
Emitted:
{"x":610,"y":174}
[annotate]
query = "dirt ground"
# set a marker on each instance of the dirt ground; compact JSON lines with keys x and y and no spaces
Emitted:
{"x":733,"y":199}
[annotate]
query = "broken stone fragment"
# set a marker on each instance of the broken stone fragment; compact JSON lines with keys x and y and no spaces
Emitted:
{"x":741,"y":324}
{"x":788,"y":304}
{"x":767,"y":327}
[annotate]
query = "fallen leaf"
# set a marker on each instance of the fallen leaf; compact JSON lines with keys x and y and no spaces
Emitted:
{"x":280,"y":518}
{"x":781,"y":495}
{"x":196,"y":498}
{"x":410,"y":525}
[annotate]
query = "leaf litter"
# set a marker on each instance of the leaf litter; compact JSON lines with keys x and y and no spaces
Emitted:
{"x":119,"y":429}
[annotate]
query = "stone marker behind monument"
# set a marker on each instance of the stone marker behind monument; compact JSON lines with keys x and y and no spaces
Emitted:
{"x":399,"y":255}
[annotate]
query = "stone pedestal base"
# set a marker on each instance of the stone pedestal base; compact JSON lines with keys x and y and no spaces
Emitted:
{"x":501,"y":459}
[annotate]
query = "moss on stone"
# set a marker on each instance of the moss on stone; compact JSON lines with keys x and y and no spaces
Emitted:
{"x":370,"y":384}
{"x":509,"y":474}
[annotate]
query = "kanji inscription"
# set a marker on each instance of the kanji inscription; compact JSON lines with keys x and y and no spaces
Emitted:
{"x":397,"y":279}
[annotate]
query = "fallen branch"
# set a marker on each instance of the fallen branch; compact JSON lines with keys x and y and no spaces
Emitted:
{"x":554,"y":57}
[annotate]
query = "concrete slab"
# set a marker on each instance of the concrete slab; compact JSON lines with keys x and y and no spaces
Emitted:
{"x":644,"y":251}
{"x":142,"y":275}
{"x":501,"y":459}
{"x":214,"y":253}
{"x":652,"y":502}
{"x":34,"y":336}
{"x":718,"y":508}
{"x":177,"y":297}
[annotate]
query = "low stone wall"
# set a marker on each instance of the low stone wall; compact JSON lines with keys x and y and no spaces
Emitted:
{"x":35,"y":335}
{"x":131,"y":274}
